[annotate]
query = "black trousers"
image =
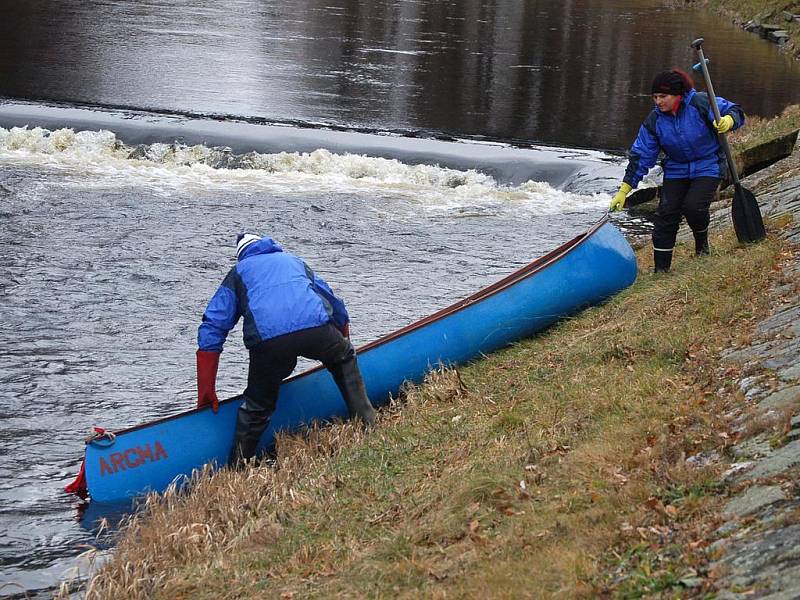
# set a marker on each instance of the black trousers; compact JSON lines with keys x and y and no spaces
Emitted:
{"x":273,"y":360}
{"x":688,"y":198}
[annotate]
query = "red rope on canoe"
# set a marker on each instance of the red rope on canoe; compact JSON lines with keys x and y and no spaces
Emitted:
{"x":78,"y":486}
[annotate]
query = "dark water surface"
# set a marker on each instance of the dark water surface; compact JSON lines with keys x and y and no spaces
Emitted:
{"x":565,"y":72}
{"x":108,"y":253}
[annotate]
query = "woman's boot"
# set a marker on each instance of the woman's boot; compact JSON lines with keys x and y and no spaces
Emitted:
{"x":662,"y":260}
{"x":701,"y":243}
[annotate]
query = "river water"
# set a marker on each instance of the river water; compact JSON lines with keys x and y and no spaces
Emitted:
{"x":412,"y":152}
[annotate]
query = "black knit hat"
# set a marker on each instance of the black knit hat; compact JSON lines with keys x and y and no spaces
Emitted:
{"x":669,"y":82}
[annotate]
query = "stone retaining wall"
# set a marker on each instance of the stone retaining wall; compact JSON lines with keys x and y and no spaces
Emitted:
{"x":755,"y":553}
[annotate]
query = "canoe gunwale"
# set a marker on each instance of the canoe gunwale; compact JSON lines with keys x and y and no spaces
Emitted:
{"x":522,"y":273}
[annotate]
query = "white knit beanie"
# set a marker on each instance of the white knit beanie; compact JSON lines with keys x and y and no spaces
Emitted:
{"x":243,"y":240}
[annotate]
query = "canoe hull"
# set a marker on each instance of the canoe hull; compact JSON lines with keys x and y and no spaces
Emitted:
{"x":585,"y":271}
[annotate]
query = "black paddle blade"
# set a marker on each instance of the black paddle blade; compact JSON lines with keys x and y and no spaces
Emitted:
{"x":747,"y":221}
{"x":641,"y":196}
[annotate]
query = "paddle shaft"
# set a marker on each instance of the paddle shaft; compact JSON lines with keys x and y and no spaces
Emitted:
{"x":723,"y":138}
{"x":745,"y":213}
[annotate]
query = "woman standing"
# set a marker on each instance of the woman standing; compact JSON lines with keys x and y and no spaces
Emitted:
{"x":682,"y":126}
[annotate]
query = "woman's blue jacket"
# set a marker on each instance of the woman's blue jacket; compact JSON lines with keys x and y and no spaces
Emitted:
{"x":688,"y":139}
{"x":275,"y":292}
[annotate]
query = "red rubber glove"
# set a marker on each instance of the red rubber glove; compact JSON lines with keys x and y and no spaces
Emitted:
{"x":207,"y":364}
{"x":345,"y":329}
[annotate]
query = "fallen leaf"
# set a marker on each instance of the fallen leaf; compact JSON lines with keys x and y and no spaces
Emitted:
{"x":654,"y":503}
{"x":479,"y":539}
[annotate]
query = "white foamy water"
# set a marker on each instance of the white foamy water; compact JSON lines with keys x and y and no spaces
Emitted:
{"x":99,"y":160}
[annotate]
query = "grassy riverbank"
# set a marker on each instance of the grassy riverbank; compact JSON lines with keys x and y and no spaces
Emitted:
{"x":556,"y":468}
{"x":758,"y":130}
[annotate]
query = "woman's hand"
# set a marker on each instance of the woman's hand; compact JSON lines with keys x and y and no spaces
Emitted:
{"x":724,"y":125}
{"x":618,"y":201}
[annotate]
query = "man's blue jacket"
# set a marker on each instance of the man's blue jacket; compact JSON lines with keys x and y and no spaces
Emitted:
{"x":688,"y":139}
{"x":275,"y":292}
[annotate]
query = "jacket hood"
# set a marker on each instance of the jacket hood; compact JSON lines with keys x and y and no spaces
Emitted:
{"x":263,"y":246}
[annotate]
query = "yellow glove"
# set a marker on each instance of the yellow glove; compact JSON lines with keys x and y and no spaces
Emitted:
{"x":618,"y":201}
{"x":724,"y":125}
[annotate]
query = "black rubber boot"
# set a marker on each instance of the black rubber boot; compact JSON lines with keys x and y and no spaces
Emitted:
{"x":251,"y":421}
{"x":351,"y":385}
{"x":663,"y":260}
{"x":701,"y":243}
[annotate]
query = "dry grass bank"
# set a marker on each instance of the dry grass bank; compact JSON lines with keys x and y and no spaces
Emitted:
{"x":758,"y":130}
{"x":556,"y":468}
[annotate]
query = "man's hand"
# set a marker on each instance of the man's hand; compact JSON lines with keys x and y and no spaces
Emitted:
{"x":345,"y":329}
{"x":207,"y":364}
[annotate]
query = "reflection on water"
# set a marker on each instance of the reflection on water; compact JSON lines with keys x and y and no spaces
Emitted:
{"x":568,"y":72}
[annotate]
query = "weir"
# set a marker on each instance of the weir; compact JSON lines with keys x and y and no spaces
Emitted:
{"x":569,"y":170}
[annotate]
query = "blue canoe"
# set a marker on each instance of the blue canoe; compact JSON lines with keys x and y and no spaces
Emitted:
{"x":582,"y":272}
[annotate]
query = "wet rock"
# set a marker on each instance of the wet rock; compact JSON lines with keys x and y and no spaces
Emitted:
{"x":775,"y":353}
{"x":751,"y":448}
{"x":778,"y":353}
{"x":704,"y":459}
{"x":752,"y":26}
{"x":779,"y":37}
{"x":765,"y":29}
{"x":786,"y":398}
{"x":754,"y":387}
{"x":767,"y":559}
{"x":753,"y":500}
{"x":776,"y":463}
{"x":788,"y":318}
{"x":783,"y":355}
{"x":737,"y":468}
{"x":724,"y":530}
{"x":749,"y":383}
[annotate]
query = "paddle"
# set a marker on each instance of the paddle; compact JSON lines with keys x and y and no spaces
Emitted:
{"x":640,"y":196}
{"x":747,"y":221}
